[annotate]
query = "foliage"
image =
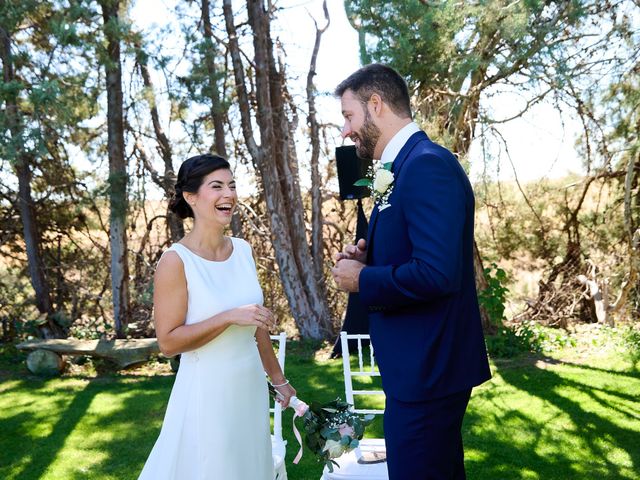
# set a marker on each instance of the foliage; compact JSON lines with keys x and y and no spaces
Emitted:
{"x":526,"y":337}
{"x":578,"y":55}
{"x":493,"y":298}
{"x":323,"y":423}
{"x":53,"y":94}
{"x":631,"y":342}
{"x":58,"y":49}
{"x":453,"y":52}
{"x":624,"y":340}
{"x":456,"y":55}
{"x":524,"y":226}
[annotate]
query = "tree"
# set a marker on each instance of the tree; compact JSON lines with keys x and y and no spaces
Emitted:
{"x":167,"y":180}
{"x":623,"y":100}
{"x":275,"y":158}
{"x":118,"y":200}
{"x":22,"y":160}
{"x":45,"y":97}
{"x":455,"y":53}
{"x":317,"y":243}
{"x":214,"y":76}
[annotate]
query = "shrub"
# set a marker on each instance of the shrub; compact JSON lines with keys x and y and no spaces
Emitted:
{"x":526,"y":337}
{"x":493,"y":298}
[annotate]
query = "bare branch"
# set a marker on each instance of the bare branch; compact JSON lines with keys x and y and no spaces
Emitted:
{"x":241,"y":89}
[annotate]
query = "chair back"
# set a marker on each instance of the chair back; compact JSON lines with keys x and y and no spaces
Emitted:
{"x":276,"y":409}
{"x":366,"y":368}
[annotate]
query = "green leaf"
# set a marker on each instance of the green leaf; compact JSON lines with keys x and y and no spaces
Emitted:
{"x":387,"y":166}
{"x":329,"y":432}
{"x":363,"y":182}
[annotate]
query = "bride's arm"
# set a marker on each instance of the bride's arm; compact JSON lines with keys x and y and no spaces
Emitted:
{"x":170,"y":311}
{"x":272,"y":367}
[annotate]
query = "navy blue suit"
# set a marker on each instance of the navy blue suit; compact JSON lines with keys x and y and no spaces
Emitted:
{"x":419,"y":288}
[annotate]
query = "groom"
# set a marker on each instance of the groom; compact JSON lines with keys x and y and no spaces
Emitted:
{"x":415,"y":275}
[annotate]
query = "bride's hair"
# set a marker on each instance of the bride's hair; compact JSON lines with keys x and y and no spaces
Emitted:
{"x":190,"y":177}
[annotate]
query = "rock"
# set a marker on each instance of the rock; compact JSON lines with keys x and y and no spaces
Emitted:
{"x":45,"y":363}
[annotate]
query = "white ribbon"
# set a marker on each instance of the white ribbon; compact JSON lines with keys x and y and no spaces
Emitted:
{"x":300,"y":408}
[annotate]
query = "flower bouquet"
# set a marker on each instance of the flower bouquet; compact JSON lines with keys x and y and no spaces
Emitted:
{"x":330,"y":429}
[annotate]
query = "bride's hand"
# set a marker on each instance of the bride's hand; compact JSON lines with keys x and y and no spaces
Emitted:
{"x":253,"y":314}
{"x":285,"y":393}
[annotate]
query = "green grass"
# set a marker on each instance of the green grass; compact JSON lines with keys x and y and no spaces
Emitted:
{"x":538,"y":418}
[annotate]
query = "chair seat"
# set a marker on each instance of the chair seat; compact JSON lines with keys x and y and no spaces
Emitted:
{"x":350,"y":469}
{"x":278,"y":448}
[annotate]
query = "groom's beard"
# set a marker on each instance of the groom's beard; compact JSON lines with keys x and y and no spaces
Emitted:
{"x":369,"y":135}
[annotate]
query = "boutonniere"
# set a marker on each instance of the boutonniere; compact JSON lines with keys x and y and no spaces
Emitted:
{"x":379,"y":179}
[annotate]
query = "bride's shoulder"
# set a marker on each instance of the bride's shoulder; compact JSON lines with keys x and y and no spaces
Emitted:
{"x":240,"y":242}
{"x":170,"y":272}
{"x":170,"y":260}
{"x":243,"y":246}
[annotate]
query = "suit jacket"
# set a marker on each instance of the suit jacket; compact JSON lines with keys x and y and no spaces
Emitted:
{"x":419,"y":284}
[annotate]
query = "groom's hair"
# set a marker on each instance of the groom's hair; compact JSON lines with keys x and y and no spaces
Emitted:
{"x":380,"y":79}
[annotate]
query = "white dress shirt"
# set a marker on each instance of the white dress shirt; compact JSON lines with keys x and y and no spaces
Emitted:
{"x":396,"y":143}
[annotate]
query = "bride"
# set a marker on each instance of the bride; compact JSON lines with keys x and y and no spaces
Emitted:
{"x":208,"y":308}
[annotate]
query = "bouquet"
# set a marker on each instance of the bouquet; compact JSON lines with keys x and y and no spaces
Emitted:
{"x":330,"y":429}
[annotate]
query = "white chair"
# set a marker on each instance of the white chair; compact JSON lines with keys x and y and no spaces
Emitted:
{"x":351,"y":466}
{"x":278,"y":444}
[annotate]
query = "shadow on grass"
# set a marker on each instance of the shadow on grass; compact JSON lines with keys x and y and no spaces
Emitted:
{"x":134,"y":428}
{"x":542,"y":420}
{"x":44,"y":450}
{"x":580,"y":426}
{"x":54,"y":421}
{"x":135,"y":423}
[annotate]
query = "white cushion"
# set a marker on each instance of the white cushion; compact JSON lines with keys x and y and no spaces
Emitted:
{"x":350,"y":469}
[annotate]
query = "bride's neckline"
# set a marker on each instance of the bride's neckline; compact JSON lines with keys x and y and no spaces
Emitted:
{"x":233,"y":249}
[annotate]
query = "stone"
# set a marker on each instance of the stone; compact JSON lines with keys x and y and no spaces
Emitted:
{"x":45,"y":363}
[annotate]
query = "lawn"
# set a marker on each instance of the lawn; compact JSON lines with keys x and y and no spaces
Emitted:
{"x":538,"y":418}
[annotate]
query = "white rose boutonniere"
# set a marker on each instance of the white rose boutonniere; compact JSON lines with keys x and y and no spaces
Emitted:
{"x":379,"y":179}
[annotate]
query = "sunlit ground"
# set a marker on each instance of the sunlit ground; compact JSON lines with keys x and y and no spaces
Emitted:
{"x":538,"y":418}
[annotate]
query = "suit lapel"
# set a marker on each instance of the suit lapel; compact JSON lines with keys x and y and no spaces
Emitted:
{"x":395,"y":168}
{"x":372,"y":222}
{"x":406,"y":150}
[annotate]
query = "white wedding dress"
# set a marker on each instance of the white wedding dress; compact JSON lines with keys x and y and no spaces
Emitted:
{"x":216,"y":425}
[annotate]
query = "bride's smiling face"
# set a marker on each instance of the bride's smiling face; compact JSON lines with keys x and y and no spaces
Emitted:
{"x":216,"y":198}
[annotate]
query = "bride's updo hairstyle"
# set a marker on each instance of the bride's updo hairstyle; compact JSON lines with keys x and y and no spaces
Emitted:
{"x":190,"y":177}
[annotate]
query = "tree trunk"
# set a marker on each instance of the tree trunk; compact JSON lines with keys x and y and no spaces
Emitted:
{"x":217,"y":111}
{"x":22,"y":165}
{"x":633,"y":239}
{"x":275,"y":159}
{"x":167,"y":181}
{"x":462,"y":127}
{"x":117,"y":168}
{"x":317,"y":243}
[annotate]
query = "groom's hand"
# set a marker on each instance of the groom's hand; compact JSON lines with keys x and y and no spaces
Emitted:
{"x":356,"y":252}
{"x":346,"y":274}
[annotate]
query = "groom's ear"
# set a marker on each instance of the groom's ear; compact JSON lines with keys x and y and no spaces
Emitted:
{"x":376,"y":103}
